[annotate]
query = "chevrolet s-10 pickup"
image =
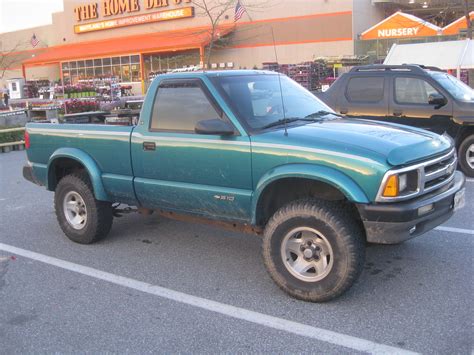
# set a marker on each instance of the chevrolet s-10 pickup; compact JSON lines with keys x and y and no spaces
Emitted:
{"x":254,"y":150}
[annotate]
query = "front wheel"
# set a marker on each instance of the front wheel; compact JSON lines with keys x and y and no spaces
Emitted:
{"x":81,"y":217}
{"x":466,"y":156}
{"x":313,"y":250}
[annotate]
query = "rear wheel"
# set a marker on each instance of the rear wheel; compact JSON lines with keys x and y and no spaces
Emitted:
{"x":313,"y":250}
{"x":81,"y":217}
{"x":466,"y":156}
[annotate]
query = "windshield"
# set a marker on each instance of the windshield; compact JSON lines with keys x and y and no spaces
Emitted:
{"x":454,"y":86}
{"x":257,"y":99}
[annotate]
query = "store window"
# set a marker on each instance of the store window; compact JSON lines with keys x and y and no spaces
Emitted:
{"x":158,"y":63}
{"x":93,"y":71}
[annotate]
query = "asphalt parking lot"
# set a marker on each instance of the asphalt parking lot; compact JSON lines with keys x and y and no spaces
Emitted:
{"x":156,"y":285}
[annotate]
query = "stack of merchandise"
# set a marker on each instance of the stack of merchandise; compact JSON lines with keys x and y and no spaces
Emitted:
{"x":32,"y":87}
{"x":308,"y":74}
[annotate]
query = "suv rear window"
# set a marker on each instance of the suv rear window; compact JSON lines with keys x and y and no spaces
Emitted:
{"x":365,"y":89}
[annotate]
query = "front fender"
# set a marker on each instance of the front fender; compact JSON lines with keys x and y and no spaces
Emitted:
{"x":89,"y":164}
{"x":333,"y":177}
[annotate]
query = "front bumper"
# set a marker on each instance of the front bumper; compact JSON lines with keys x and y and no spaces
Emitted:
{"x":392,"y":223}
{"x":29,"y":175}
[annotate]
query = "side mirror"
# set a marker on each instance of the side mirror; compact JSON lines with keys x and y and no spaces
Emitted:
{"x":437,"y":99}
{"x":214,"y":126}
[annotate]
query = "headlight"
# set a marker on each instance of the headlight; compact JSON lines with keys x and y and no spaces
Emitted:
{"x":400,"y":184}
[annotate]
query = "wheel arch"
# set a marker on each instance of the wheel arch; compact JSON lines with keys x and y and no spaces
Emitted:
{"x":66,"y":160}
{"x":338,"y":186}
{"x":464,"y":132}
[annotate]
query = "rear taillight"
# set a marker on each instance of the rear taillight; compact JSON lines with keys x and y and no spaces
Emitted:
{"x":27,"y":140}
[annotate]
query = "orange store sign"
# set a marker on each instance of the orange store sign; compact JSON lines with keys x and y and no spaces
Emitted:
{"x":159,"y":16}
{"x":401,"y":25}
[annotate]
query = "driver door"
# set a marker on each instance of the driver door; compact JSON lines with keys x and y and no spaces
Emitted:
{"x":410,"y":105}
{"x":179,"y":170}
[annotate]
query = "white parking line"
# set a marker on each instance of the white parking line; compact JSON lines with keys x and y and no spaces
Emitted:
{"x":455,"y":230}
{"x":469,"y":180}
{"x":213,"y":306}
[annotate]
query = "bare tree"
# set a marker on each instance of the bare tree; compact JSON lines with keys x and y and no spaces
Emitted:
{"x":218,"y":12}
{"x":468,"y":19}
{"x":9,"y":58}
{"x":215,"y":11}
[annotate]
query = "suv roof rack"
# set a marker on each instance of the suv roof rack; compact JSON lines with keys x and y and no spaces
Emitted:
{"x":415,"y":68}
{"x":426,"y":67}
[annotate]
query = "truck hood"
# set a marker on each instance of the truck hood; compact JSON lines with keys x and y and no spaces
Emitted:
{"x":396,"y":144}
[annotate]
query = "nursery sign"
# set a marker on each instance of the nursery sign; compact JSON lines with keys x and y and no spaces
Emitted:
{"x":401,"y":25}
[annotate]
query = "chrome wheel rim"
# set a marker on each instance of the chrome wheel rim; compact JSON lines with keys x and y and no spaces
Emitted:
{"x":470,"y":156}
{"x":307,"y":254}
{"x":75,"y":210}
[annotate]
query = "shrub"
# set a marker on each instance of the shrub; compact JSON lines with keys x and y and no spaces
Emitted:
{"x":7,"y":137}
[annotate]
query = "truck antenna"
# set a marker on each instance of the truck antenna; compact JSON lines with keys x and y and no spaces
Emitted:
{"x":279,"y":82}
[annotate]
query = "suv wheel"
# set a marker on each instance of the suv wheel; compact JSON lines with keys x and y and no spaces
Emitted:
{"x":313,"y":250}
{"x":466,"y":156}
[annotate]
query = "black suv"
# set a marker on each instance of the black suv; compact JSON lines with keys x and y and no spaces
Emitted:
{"x":414,"y":95}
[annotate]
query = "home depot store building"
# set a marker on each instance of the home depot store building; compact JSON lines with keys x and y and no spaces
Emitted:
{"x":132,"y":39}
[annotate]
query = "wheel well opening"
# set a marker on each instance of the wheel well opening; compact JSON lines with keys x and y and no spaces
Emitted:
{"x":463,"y":134}
{"x":61,"y":168}
{"x":284,"y":191}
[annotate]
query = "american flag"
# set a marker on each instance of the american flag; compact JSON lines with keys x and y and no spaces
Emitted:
{"x":239,"y":11}
{"x":34,"y":40}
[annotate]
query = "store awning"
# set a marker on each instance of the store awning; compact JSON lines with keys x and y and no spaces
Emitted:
{"x":147,"y":43}
{"x":401,"y":25}
{"x":455,"y":27}
{"x":444,"y":55}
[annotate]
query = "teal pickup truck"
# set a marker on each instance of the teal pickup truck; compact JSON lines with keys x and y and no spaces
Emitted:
{"x":253,"y":150}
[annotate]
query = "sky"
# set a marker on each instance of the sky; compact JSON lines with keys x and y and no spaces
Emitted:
{"x":21,"y":14}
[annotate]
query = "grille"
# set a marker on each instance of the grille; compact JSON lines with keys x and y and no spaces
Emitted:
{"x":438,"y":172}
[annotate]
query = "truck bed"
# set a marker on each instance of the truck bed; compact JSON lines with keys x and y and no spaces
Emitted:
{"x":109,"y":146}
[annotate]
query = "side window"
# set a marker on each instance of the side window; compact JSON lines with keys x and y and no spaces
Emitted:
{"x":412,"y":91}
{"x":365,"y":89}
{"x":180,"y":105}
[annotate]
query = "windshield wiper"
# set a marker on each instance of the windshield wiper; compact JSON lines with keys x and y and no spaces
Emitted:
{"x":313,"y":117}
{"x":321,"y":113}
{"x":284,"y":121}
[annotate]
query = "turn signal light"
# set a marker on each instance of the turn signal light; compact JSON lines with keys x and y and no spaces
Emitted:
{"x":27,"y":140}
{"x":391,"y":187}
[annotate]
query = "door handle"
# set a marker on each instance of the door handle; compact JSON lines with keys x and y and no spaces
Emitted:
{"x":398,"y":113}
{"x":149,"y":146}
{"x":343,"y":111}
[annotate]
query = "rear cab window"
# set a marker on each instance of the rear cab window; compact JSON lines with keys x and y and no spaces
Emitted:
{"x":365,"y":89}
{"x":180,"y":104}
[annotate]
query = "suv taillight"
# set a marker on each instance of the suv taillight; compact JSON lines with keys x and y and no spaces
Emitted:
{"x":27,"y":140}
